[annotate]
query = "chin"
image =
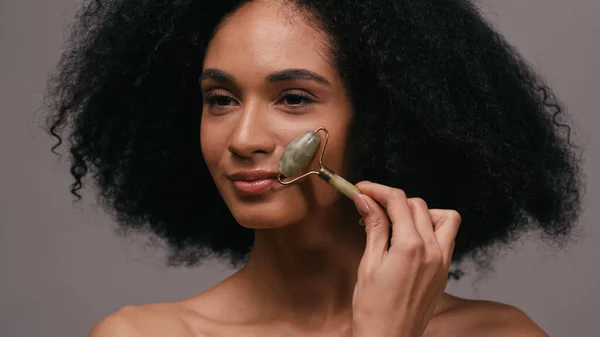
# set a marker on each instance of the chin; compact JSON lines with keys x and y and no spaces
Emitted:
{"x":268,"y":212}
{"x":263,"y":216}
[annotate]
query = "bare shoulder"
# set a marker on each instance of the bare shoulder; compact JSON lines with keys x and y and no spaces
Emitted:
{"x":160,"y":319}
{"x":486,"y":319}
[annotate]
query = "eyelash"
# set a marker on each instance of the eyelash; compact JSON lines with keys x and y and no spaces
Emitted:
{"x":212,"y":99}
{"x":303,"y":97}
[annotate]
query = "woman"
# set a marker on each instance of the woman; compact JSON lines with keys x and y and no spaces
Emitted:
{"x":426,"y":106}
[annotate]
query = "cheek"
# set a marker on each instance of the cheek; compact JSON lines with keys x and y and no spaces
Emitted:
{"x":204,"y":146}
{"x":335,"y":150}
{"x":211,"y":147}
{"x":333,"y":159}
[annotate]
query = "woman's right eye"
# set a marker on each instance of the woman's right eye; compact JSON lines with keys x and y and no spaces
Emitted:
{"x":219,"y":100}
{"x":219,"y":103}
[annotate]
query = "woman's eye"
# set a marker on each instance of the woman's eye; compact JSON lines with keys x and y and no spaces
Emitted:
{"x":296,"y":99}
{"x":219,"y":100}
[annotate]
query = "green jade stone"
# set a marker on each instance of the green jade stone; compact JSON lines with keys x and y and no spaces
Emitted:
{"x":298,"y":153}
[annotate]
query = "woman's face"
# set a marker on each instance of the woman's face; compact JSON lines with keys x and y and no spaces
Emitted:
{"x":267,"y":77}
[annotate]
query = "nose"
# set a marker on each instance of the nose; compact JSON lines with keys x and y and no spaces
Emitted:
{"x":252,"y":134}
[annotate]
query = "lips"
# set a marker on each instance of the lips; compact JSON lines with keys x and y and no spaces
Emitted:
{"x":253,"y":187}
{"x":253,"y":182}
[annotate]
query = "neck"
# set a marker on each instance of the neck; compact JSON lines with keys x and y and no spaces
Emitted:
{"x":306,"y":272}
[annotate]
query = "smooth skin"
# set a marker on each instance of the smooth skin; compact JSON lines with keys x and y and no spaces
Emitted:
{"x":313,"y":271}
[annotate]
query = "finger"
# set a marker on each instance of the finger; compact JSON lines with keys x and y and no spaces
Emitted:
{"x":398,"y":210}
{"x":423,"y":222}
{"x":376,"y":225}
{"x":445,"y":227}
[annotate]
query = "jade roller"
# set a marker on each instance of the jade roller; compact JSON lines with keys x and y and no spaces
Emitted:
{"x":299,"y":153}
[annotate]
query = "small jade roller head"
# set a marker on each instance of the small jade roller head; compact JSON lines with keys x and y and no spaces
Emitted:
{"x":299,"y":153}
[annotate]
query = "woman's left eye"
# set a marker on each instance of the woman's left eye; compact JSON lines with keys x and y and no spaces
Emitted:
{"x":296,"y":99}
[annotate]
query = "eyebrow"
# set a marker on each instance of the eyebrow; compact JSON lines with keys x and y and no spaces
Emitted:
{"x":296,"y":74}
{"x":216,"y":74}
{"x":279,"y":76}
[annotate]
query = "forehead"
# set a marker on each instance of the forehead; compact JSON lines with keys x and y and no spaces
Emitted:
{"x":270,"y":36}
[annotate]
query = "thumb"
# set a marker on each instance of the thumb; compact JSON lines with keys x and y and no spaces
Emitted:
{"x":376,"y":224}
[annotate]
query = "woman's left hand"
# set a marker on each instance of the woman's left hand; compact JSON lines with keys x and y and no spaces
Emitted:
{"x":400,"y":284}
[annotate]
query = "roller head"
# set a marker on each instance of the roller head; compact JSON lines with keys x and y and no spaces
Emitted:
{"x":299,"y":153}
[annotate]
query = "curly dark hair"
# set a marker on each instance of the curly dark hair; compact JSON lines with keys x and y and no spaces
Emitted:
{"x":445,"y":109}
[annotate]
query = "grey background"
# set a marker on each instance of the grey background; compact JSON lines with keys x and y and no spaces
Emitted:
{"x":62,"y":268}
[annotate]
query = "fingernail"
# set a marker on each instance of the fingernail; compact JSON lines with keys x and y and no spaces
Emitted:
{"x":362,"y":205}
{"x":361,"y":221}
